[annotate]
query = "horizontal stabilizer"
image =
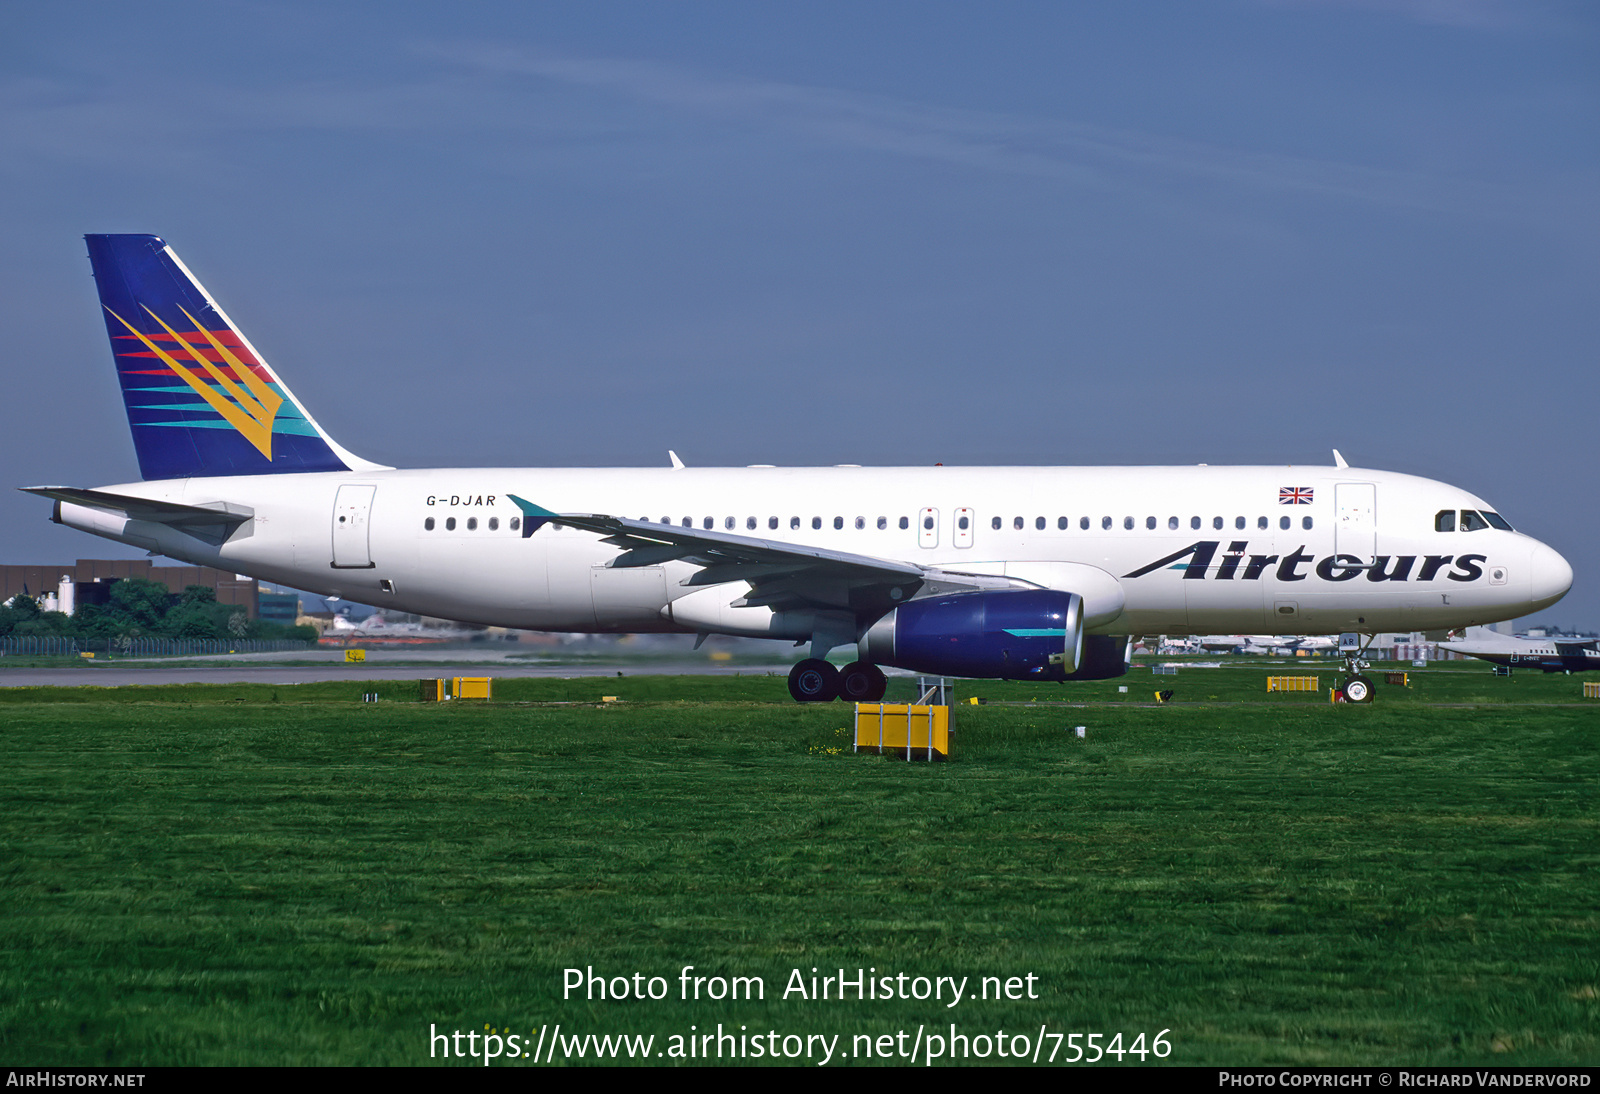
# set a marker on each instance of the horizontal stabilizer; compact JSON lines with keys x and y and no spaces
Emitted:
{"x":212,"y":524}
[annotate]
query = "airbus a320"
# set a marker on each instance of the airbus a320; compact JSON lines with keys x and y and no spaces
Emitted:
{"x":1028,"y":573}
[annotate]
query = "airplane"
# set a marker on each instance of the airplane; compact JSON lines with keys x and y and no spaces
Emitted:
{"x":1029,"y":573}
{"x":376,"y":627}
{"x":1567,"y":655}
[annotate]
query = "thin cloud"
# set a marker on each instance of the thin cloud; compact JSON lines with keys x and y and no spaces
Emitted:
{"x":1469,"y":14}
{"x":1072,"y":151}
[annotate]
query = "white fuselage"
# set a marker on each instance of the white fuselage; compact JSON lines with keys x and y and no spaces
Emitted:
{"x":1363,"y":555}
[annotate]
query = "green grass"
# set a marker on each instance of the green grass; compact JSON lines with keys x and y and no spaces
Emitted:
{"x":249,"y":874}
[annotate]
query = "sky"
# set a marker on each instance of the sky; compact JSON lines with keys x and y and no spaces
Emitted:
{"x":540,"y":234}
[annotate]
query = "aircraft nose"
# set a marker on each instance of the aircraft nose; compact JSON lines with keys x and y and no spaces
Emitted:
{"x":1550,"y":576}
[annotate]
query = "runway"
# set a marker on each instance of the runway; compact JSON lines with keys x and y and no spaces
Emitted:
{"x":269,"y":669}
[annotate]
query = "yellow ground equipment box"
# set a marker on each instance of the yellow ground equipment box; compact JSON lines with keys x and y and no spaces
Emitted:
{"x":355,"y":655}
{"x":1591,"y":689}
{"x":915,"y":732}
{"x":473,"y":687}
{"x":457,"y":687}
{"x":1292,"y":683}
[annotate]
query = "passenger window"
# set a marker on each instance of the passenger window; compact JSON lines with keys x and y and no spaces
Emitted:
{"x":1061,"y":523}
{"x":927,"y":523}
{"x":516,"y":523}
{"x":728,"y":523}
{"x":709,"y":521}
{"x":1194,"y":522}
{"x":1105,"y":523}
{"x":861,"y":522}
{"x":1283,"y":522}
{"x":1038,"y":524}
{"x":1016,"y":522}
{"x":472,"y":524}
{"x":1150,"y":523}
{"x":883,"y":522}
{"x":1127,"y":524}
{"x":995,"y":524}
{"x":1083,"y":524}
{"x":494,"y":524}
{"x":1216,"y":522}
{"x":1261,"y":522}
{"x":688,"y":522}
{"x":1305,"y":522}
{"x":1238,"y":522}
{"x":428,"y":524}
{"x":905,"y":522}
{"x":816,"y":524}
{"x":794,"y":522}
{"x":750,"y":524}
{"x":1172,"y":524}
{"x":449,"y":524}
{"x":1445,"y":521}
{"x":772,"y":523}
{"x":838,"y":523}
{"x":963,"y":524}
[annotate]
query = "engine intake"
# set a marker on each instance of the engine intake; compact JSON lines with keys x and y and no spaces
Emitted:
{"x":1022,"y":634}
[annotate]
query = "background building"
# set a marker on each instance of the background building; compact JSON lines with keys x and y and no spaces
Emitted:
{"x":89,"y":581}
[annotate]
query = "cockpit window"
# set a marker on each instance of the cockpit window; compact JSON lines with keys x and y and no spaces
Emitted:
{"x":1471,"y":521}
{"x":1445,"y":521}
{"x":1497,"y":521}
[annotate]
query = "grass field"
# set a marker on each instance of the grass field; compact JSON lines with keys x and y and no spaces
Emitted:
{"x":281,"y":875}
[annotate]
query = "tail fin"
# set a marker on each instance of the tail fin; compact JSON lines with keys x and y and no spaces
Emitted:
{"x":200,"y":399}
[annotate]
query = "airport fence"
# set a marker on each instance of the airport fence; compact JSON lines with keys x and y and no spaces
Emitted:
{"x":57,"y":646}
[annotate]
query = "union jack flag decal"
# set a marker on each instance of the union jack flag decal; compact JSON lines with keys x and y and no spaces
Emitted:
{"x":1294,"y":495}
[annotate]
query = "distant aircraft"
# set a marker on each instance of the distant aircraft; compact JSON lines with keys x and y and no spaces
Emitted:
{"x":1263,"y":643}
{"x":375,"y":626}
{"x":1031,"y":573}
{"x":1548,"y":654}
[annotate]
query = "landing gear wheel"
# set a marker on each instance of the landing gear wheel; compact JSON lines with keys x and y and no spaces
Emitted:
{"x":1357,"y":689}
{"x":862,"y":682}
{"x":814,"y":681}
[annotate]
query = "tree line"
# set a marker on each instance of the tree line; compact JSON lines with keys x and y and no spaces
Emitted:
{"x":137,"y":607}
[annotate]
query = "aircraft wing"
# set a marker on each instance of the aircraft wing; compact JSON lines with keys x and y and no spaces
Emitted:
{"x":782,"y":575}
{"x":211,"y":524}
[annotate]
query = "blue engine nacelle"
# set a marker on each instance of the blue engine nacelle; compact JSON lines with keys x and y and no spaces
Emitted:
{"x":1007,"y":634}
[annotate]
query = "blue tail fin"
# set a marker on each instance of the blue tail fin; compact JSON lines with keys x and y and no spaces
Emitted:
{"x":200,"y":399}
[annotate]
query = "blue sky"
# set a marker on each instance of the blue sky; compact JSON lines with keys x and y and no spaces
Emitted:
{"x":565,"y":235}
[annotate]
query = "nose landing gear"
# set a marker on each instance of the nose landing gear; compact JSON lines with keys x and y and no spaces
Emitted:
{"x":1356,"y":687}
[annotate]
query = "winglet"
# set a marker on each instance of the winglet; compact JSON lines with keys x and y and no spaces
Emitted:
{"x":534,"y":517}
{"x":677,"y":464}
{"x":1338,"y":460}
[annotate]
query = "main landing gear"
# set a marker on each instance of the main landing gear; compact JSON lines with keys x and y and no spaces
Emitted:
{"x":1356,"y":687}
{"x":815,"y":681}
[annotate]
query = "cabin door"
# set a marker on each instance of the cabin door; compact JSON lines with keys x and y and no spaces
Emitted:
{"x":1355,"y":528}
{"x":352,"y":514}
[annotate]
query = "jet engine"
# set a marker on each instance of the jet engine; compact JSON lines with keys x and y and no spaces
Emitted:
{"x":1020,"y":634}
